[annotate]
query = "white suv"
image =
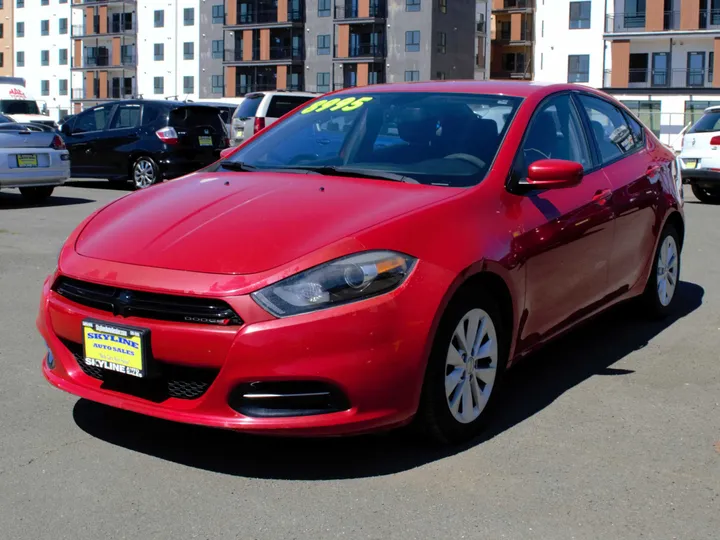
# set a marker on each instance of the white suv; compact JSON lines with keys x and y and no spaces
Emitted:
{"x":700,"y":156}
{"x":260,"y":109}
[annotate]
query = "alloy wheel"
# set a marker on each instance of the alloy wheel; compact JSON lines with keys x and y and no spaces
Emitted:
{"x":667,"y":270}
{"x":471,"y":366}
{"x":144,"y":173}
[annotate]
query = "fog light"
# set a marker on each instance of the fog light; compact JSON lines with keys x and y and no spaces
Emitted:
{"x":50,"y":359}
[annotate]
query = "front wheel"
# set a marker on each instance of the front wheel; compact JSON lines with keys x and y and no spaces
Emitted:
{"x":145,"y":172}
{"x":464,"y":370}
{"x":36,"y":194}
{"x":705,"y":196}
{"x":662,"y":285}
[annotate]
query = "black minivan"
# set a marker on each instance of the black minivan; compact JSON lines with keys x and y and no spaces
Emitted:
{"x":143,"y":141}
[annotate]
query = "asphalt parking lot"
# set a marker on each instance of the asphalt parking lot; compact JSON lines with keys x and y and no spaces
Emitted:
{"x":611,"y":432}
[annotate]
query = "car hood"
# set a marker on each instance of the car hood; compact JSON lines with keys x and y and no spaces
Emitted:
{"x":244,"y":223}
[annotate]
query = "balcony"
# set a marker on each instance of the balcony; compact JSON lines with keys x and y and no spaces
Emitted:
{"x":277,"y":55}
{"x":516,"y":5}
{"x":259,"y":14}
{"x":505,"y":36}
{"x":113,"y":26}
{"x":105,"y":61}
{"x":103,"y":2}
{"x":351,"y":10}
{"x":79,"y":94}
{"x":654,"y":78}
{"x":626,"y":23}
{"x":361,"y":51}
{"x":710,"y":20}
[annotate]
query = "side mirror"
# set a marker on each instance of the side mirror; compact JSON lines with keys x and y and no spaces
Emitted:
{"x":225,"y":152}
{"x":554,"y":174}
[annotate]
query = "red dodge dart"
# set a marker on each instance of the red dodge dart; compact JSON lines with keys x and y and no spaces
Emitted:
{"x":381,"y":255}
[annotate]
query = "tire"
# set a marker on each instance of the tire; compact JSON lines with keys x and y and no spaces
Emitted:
{"x":36,"y":194}
{"x":144,"y":172}
{"x":705,"y":196}
{"x":661,"y":289}
{"x":444,"y":415}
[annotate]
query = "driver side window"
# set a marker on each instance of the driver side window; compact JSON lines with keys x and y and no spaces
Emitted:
{"x":555,"y":133}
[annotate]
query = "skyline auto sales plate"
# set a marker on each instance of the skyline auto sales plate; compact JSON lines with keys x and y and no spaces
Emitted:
{"x":121,"y":349}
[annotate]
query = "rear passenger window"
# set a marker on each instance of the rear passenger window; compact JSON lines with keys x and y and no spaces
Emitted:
{"x":150,"y":114}
{"x":281,"y":105}
{"x":126,"y":116}
{"x":637,"y":130}
{"x":609,"y":128}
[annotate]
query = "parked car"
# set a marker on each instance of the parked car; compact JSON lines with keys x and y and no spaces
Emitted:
{"x":28,"y":126}
{"x":33,"y":160}
{"x":287,"y":292}
{"x":261,"y":109}
{"x":143,"y":141}
{"x":700,"y":156}
{"x":226,"y":112}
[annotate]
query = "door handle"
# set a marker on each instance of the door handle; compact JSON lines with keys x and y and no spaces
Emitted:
{"x":652,"y":170}
{"x":602,"y":195}
{"x":88,"y":150}
{"x":323,"y":141}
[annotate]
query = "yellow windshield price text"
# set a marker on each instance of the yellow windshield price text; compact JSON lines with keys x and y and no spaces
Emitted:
{"x":336,"y":104}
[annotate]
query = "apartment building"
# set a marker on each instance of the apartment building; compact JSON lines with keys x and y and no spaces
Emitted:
{"x":513,"y":39}
{"x":321,"y":45}
{"x":7,"y":45}
{"x":483,"y":16}
{"x":660,"y":59}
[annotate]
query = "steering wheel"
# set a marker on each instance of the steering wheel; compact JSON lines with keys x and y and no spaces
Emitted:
{"x":479,"y":163}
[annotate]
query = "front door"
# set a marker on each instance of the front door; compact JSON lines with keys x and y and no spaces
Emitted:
{"x":119,"y":140}
{"x":568,"y":232}
{"x":82,"y":139}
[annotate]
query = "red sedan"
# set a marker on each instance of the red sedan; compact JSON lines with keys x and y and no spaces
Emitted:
{"x":380,"y":255}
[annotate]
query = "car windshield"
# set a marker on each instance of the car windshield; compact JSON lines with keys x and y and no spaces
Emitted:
{"x":431,"y":138}
{"x":708,"y":123}
{"x":18,"y":106}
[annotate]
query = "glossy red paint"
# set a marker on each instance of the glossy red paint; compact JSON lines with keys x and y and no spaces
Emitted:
{"x":554,"y":173}
{"x":562,"y":254}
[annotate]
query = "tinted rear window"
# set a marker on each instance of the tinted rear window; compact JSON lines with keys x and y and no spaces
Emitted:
{"x":709,"y":122}
{"x":281,"y":105}
{"x":150,"y":113}
{"x":249,"y":106}
{"x":190,"y":117}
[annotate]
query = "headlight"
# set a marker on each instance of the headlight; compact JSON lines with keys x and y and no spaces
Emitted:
{"x":335,"y":283}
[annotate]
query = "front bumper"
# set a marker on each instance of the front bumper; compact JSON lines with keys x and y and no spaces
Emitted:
{"x":373,"y":351}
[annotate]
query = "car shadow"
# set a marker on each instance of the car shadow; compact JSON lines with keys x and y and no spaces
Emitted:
{"x":100,"y":184}
{"x":531,"y":386}
{"x":15,"y":201}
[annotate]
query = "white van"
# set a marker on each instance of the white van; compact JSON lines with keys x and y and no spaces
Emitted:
{"x":19,"y":105}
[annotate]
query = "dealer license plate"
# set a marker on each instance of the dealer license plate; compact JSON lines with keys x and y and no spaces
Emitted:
{"x":690,"y":163}
{"x":27,"y":160}
{"x":121,"y":349}
{"x":205,"y":140}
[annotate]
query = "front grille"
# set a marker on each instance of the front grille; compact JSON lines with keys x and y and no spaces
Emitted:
{"x":165,"y":381}
{"x":165,"y":307}
{"x":287,"y":398}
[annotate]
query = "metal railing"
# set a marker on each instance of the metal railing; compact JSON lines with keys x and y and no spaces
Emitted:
{"x":363,"y":51}
{"x":267,"y":15}
{"x":294,"y":54}
{"x":526,"y":34}
{"x":351,"y":10}
{"x":105,"y":60}
{"x":620,"y":23}
{"x":114,"y":26}
{"x":709,"y":19}
{"x":105,"y":2}
{"x":79,"y":94}
{"x":664,"y":78}
{"x":517,"y":4}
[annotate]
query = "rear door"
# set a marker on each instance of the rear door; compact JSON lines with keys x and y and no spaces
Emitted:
{"x":635,"y":178}
{"x":200,"y":130}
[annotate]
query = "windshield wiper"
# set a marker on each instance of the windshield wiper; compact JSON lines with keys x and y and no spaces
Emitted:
{"x":333,"y":170}
{"x":237,"y":166}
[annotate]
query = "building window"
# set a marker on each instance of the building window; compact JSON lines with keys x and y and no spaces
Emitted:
{"x":189,"y":16}
{"x":696,"y":69}
{"x":323,"y":44}
{"x":442,"y":4}
{"x":189,"y":85}
{"x":217,"y":48}
{"x":20,"y":29}
{"x":412,"y":5}
{"x":412,"y":41}
{"x":440,"y":75}
{"x":44,"y":88}
{"x":63,"y":57}
{"x":412,"y":76}
{"x":579,"y":68}
{"x":514,"y":63}
{"x":44,"y":2}
{"x":711,"y":65}
{"x":63,"y":87}
{"x":638,"y":72}
{"x":648,"y":112}
{"x":44,"y":58}
{"x":218,"y":14}
{"x":579,"y":15}
{"x":660,"y":65}
{"x":188,"y":50}
{"x":324,"y":8}
{"x":159,"y":52}
{"x":442,"y":42}
{"x":323,"y":82}
{"x":218,"y":84}
{"x":2,"y":30}
{"x":159,"y":18}
{"x":159,"y":85}
{"x":20,"y":4}
{"x":63,"y":26}
{"x":44,"y":28}
{"x":20,"y":59}
{"x":2,"y":59}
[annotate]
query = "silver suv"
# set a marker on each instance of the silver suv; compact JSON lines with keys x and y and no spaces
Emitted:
{"x":260,"y":109}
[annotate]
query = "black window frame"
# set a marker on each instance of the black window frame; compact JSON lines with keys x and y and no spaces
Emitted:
{"x":218,"y":18}
{"x":20,"y":60}
{"x":413,"y":5}
{"x":442,"y":42}
{"x":638,"y":75}
{"x":325,"y":49}
{"x":45,"y":87}
{"x":63,"y":91}
{"x":159,"y":18}
{"x":189,"y":21}
{"x":442,"y":6}
{"x":161,"y":79}
{"x":159,"y":56}
{"x":410,"y":44}
{"x":192,"y":85}
{"x":324,"y":8}
{"x":63,"y":59}
{"x":412,"y":73}
{"x":189,"y":55}
{"x":214,"y":86}
{"x":20,"y":29}
{"x":695,"y":72}
{"x":323,"y":84}
{"x":63,"y":26}
{"x":218,"y":54}
{"x":45,"y":57}
{"x":579,"y":5}
{"x":584,"y":74}
{"x":45,"y":27}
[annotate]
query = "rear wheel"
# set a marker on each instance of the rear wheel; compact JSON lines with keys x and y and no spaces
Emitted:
{"x":662,"y":285}
{"x":145,"y":172}
{"x":706,"y":196}
{"x":37,"y":194}
{"x":464,"y":370}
